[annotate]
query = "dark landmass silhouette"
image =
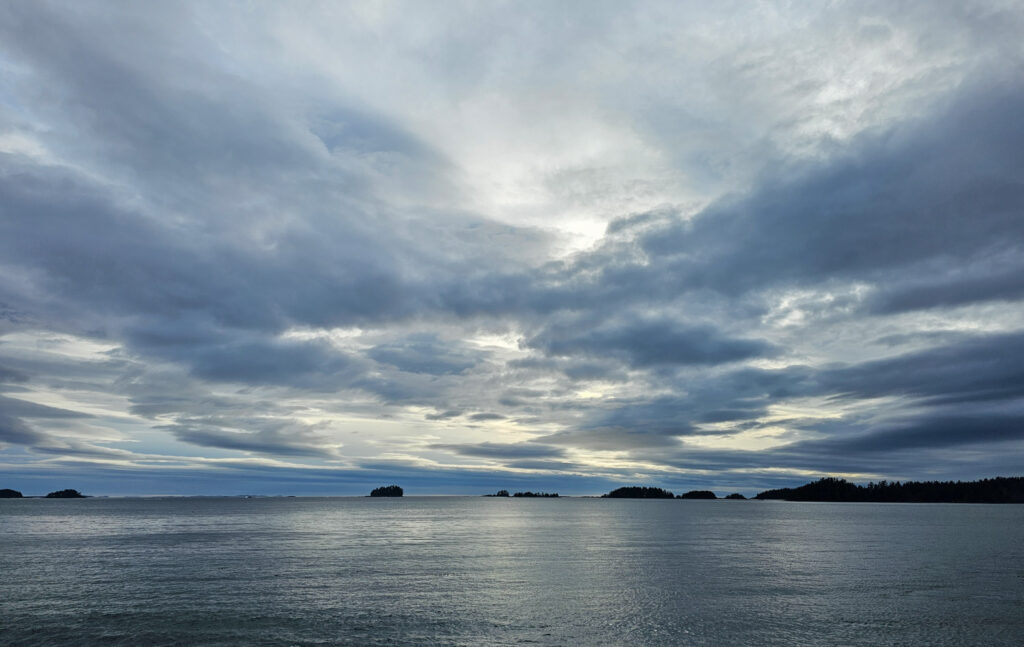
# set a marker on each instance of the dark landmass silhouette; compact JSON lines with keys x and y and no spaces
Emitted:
{"x":66,"y":494}
{"x":387,"y":490}
{"x":537,"y":494}
{"x":737,"y":496}
{"x":499,"y":493}
{"x":9,"y":494}
{"x":994,"y":490}
{"x":636,"y":492}
{"x":698,"y":494}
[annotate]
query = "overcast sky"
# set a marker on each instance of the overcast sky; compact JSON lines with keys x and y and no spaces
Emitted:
{"x":307,"y":248}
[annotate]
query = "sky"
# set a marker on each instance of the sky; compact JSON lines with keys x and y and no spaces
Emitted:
{"x":313,"y":248}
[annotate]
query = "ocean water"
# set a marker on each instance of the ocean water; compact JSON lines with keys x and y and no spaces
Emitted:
{"x":493,"y":571}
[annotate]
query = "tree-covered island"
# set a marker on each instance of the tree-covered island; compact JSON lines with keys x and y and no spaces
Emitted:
{"x":698,"y":494}
{"x":387,"y":490}
{"x":9,"y":494}
{"x":638,"y":492}
{"x":66,"y":494}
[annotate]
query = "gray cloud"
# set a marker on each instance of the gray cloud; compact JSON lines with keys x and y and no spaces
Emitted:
{"x":937,"y":431}
{"x":9,"y":376}
{"x":504,"y":450}
{"x":225,"y":240}
{"x":485,"y":416}
{"x":648,"y":343}
{"x":260,"y":436}
{"x":26,"y":409}
{"x":426,"y":354}
{"x":977,"y":369}
{"x":14,"y":430}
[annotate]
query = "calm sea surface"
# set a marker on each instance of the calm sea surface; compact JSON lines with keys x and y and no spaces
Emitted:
{"x":488,"y":571}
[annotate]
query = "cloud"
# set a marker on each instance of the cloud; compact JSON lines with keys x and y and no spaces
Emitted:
{"x":14,"y":430}
{"x":981,"y":368}
{"x":425,"y":353}
{"x":795,"y":245}
{"x":306,"y":364}
{"x":10,"y":376}
{"x":606,"y":438}
{"x":648,"y":343}
{"x":443,"y":415}
{"x":504,"y":450}
{"x":266,"y":436}
{"x":927,"y":432}
{"x":485,"y":416}
{"x":26,"y":409}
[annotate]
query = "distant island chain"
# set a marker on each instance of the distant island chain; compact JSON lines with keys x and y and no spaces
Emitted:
{"x":832,"y":489}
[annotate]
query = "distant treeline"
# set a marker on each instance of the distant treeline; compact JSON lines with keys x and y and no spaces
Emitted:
{"x":994,"y":490}
{"x":525,"y":494}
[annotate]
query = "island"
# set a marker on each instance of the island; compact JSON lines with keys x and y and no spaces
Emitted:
{"x":636,"y":492}
{"x":499,"y":493}
{"x":9,"y":494}
{"x":537,"y":494}
{"x":698,"y":494}
{"x":736,"y":496}
{"x":994,"y":490}
{"x":66,"y":494}
{"x":387,"y":490}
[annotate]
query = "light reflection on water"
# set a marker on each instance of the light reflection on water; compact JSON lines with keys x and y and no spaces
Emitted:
{"x":492,"y":571}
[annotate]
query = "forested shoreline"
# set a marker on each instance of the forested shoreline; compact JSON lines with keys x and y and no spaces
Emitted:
{"x":993,"y":490}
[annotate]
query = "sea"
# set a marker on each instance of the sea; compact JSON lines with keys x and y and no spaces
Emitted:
{"x":508,"y":571}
